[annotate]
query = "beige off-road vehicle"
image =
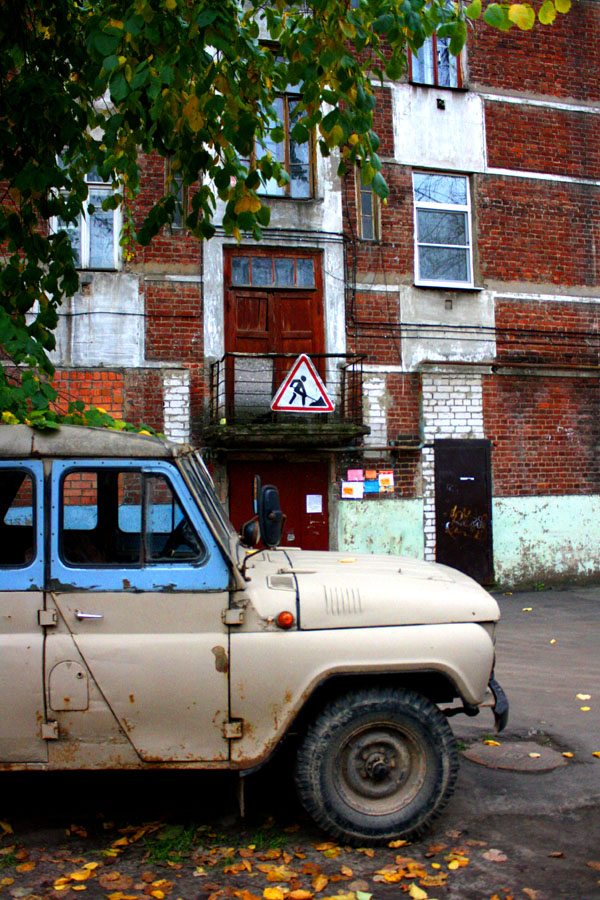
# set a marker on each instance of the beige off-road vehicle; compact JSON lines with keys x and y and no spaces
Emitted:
{"x":137,"y":630}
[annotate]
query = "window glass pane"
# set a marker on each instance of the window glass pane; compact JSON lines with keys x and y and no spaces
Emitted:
{"x":447,"y":64}
{"x":262,"y":270}
{"x":16,"y":508}
{"x":441,"y":227}
{"x":169,"y":533}
{"x":422,"y":63}
{"x":74,"y":232}
{"x":444,"y":264}
{"x":443,"y":189}
{"x":284,"y":272}
{"x":82,"y":540}
{"x":305,"y":273}
{"x":101,"y":227}
{"x":240,"y":270}
{"x":300,"y":181}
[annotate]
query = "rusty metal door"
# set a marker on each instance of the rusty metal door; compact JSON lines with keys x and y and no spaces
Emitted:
{"x":463,"y":507}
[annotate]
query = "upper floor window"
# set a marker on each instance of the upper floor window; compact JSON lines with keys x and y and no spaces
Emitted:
{"x":296,"y":158}
{"x":443,"y":244}
{"x":367,"y":204}
{"x":95,"y":236}
{"x":434,"y":64}
{"x":174,"y":184}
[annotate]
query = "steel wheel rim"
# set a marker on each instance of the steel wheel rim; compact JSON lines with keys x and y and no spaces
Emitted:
{"x":380,"y":769}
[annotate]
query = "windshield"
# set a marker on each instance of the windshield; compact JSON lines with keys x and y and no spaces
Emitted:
{"x":199,"y":476}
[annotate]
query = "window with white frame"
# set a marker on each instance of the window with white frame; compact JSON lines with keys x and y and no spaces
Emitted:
{"x":95,"y":236}
{"x":443,"y":243}
{"x":174,"y":184}
{"x":368,"y":210}
{"x":296,"y":158}
{"x":434,"y":64}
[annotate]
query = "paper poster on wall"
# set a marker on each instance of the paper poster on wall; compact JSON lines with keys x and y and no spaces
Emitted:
{"x":314,"y":503}
{"x":356,"y":475}
{"x":371,"y":487}
{"x":386,"y":481}
{"x":352,"y":490}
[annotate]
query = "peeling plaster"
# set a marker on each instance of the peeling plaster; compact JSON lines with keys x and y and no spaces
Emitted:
{"x":381,"y":526}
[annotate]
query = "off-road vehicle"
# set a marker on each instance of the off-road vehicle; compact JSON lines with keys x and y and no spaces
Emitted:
{"x":138,"y":630}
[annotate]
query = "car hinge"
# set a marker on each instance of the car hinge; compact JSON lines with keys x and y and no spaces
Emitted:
{"x":49,"y":731}
{"x":233,"y":616}
{"x":47,"y":618}
{"x":233,"y":730}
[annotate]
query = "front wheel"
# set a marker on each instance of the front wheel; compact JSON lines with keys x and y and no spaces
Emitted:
{"x":377,"y":764}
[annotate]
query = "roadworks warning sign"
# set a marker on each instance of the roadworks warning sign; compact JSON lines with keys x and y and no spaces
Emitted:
{"x":302,"y":390}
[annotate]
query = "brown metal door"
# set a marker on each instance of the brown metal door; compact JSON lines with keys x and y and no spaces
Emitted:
{"x":303,"y":493}
{"x":463,"y":507}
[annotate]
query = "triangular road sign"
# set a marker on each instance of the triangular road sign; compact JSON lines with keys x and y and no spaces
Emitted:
{"x":302,"y":390}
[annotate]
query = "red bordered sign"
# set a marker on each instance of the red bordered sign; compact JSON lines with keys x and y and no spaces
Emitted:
{"x":302,"y":390}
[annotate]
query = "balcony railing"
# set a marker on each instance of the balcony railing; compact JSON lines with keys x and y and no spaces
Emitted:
{"x":244,"y":384}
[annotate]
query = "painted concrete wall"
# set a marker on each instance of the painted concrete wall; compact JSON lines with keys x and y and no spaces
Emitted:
{"x":544,"y":539}
{"x":384,"y":526}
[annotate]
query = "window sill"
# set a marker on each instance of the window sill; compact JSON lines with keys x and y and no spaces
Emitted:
{"x":441,"y":286}
{"x":462,"y":88}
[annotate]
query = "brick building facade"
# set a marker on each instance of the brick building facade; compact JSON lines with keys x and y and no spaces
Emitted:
{"x":456,"y":328}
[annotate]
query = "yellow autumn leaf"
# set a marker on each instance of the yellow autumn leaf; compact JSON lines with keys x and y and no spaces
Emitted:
{"x":158,"y":894}
{"x":80,"y":875}
{"x":121,"y":842}
{"x":585,"y":708}
{"x":300,"y":895}
{"x":417,"y":893}
{"x":395,"y":844}
{"x":6,"y":828}
{"x":79,"y":887}
{"x":522,"y":15}
{"x":26,"y":867}
{"x":490,"y":743}
{"x":563,"y":6}
{"x":535,"y":755}
{"x":170,"y":5}
{"x":273,"y":894}
{"x":192,"y":114}
{"x":547,"y":12}
{"x":568,"y":755}
{"x":584,"y":696}
{"x":319,"y":883}
{"x":596,"y":753}
{"x":345,"y":870}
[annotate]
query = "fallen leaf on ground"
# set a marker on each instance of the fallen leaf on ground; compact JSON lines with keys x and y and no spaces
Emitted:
{"x":533,"y":895}
{"x":416,"y":893}
{"x":368,"y":851}
{"x":300,"y":895}
{"x":273,"y":894}
{"x":493,"y":855}
{"x":492,"y":743}
{"x":596,"y":753}
{"x":26,"y":867}
{"x":5,"y":828}
{"x":583,"y":696}
{"x":246,"y":895}
{"x":585,"y":708}
{"x":345,"y":870}
{"x":115,"y":881}
{"x":319,"y":883}
{"x":569,"y":755}
{"x":527,"y":608}
{"x":594,"y":865}
{"x":535,"y":755}
{"x":395,"y":844}
{"x":558,"y":854}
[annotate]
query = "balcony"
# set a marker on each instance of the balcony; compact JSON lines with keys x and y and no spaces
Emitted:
{"x":244,"y":384}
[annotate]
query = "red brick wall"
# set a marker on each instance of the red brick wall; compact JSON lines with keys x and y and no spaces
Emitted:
{"x":99,"y":387}
{"x":542,"y":140}
{"x":548,"y":332}
{"x":174,"y":327}
{"x":537,"y":231}
{"x":544,"y":434}
{"x":562,"y":60}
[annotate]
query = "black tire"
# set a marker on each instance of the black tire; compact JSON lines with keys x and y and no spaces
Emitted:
{"x":377,"y":764}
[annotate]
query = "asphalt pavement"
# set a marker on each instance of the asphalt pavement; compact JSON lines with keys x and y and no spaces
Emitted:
{"x":538,"y":807}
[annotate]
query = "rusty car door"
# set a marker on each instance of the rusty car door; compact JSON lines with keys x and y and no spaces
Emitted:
{"x":141,"y":585}
{"x":21,"y":612}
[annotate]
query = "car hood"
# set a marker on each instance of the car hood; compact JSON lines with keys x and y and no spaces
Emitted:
{"x":346,"y":590}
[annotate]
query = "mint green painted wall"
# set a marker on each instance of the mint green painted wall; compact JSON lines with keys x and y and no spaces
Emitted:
{"x":545,"y":539}
{"x":381,"y":526}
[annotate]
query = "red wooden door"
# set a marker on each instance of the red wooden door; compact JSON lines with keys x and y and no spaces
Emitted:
{"x":303,"y":493}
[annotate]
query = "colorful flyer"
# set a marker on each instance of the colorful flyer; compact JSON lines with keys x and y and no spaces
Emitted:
{"x":386,"y":481}
{"x":352,"y":490}
{"x":356,"y":475}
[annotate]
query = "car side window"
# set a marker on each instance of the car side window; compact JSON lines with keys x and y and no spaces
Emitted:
{"x":124,"y":517}
{"x":17,"y":533}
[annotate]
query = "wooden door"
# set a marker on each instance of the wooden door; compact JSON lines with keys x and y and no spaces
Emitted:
{"x":303,"y":494}
{"x":463,"y":507}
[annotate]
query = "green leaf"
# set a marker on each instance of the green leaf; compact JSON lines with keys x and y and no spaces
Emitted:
{"x":473,"y":10}
{"x":547,"y":12}
{"x":383,"y":24}
{"x":379,"y":186}
{"x":494,"y":15}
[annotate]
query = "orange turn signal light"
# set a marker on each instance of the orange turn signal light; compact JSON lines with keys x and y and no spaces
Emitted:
{"x":285,"y":619}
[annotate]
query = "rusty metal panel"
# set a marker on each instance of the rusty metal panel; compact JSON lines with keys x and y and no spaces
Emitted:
{"x":463,"y":507}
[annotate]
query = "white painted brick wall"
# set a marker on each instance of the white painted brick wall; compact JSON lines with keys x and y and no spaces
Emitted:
{"x":374,"y":410}
{"x":452,"y":408}
{"x":176,"y":405}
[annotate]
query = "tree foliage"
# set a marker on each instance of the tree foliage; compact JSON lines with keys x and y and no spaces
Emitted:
{"x":89,"y":84}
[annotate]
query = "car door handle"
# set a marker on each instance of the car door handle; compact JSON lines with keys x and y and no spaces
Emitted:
{"x":83,"y":615}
